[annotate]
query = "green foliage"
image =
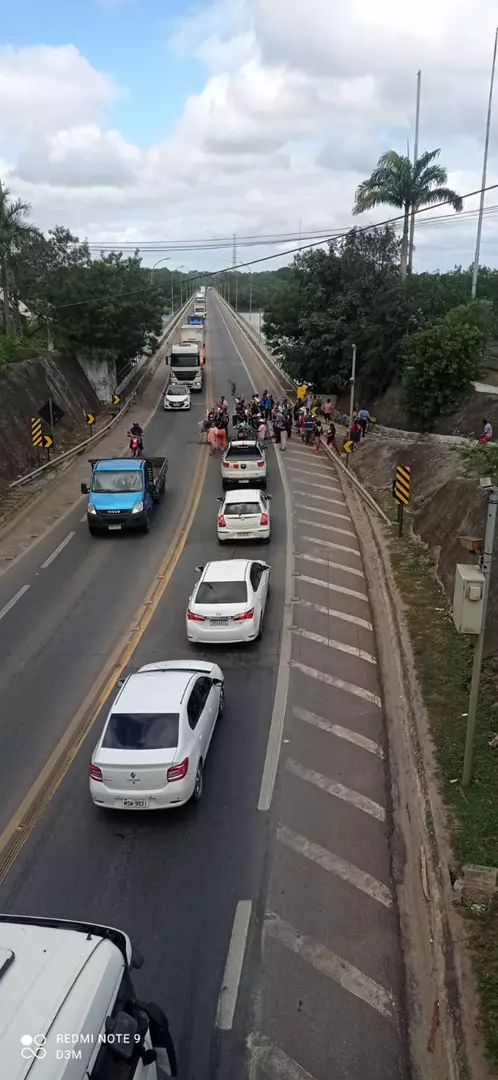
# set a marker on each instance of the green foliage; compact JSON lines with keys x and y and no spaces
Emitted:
{"x":482,"y":459}
{"x":13,"y":350}
{"x":440,"y":363}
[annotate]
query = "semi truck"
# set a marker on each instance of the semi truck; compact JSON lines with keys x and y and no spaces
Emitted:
{"x":186,"y":363}
{"x":123,"y":493}
{"x":188,"y":332}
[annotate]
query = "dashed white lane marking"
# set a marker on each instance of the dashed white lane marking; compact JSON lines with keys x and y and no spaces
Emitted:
{"x":332,"y":547}
{"x":327,"y":562}
{"x":329,"y":963}
{"x":330,"y":585}
{"x":336,"y":729}
{"x":321,"y":487}
{"x":58,"y":550}
{"x":273,"y":1062}
{"x":84,"y":518}
{"x":233,"y":967}
{"x":331,"y":643}
{"x":343,"y":869}
{"x":332,"y":614}
{"x":339,"y":684}
{"x":313,"y":472}
{"x":328,"y":528}
{"x":322,"y":498}
{"x":320,"y":510}
{"x":340,"y":791}
{"x":13,"y":600}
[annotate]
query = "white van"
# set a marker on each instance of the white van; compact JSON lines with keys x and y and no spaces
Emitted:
{"x":68,"y":1010}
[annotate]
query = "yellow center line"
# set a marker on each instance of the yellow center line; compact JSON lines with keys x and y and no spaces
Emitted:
{"x":30,"y":810}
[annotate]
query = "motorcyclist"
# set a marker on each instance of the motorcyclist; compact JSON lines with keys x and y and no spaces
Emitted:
{"x":136,"y":432}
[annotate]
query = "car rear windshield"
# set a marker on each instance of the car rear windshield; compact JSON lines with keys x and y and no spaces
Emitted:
{"x":142,"y":731}
{"x":249,"y":450}
{"x":177,"y":391}
{"x":106,"y":481}
{"x":221,"y":592}
{"x":236,"y":509}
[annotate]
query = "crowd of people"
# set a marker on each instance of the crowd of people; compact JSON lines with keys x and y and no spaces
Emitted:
{"x":263,"y":417}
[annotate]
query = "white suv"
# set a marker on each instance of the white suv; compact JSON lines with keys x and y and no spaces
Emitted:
{"x":244,"y":463}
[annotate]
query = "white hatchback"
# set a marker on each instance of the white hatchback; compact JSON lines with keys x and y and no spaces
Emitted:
{"x":151,"y":753}
{"x":228,"y":602}
{"x":244,"y":463}
{"x":244,"y":515}
{"x":177,"y":396}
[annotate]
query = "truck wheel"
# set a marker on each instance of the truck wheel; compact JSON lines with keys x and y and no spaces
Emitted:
{"x":146,"y":524}
{"x":92,"y":531}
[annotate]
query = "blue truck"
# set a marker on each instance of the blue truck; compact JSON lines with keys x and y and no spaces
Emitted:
{"x":123,"y":492}
{"x":195,"y":320}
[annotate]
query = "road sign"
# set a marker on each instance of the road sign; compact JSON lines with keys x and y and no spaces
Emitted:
{"x":348,"y":446}
{"x":36,"y":431}
{"x":48,"y":441}
{"x":90,"y":419}
{"x":116,"y":399}
{"x":51,"y":413}
{"x":401,"y":486}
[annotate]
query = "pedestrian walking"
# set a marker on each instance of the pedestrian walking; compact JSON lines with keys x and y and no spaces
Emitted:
{"x":309,"y":423}
{"x":327,"y":409}
{"x":317,"y":434}
{"x":355,"y":432}
{"x":364,"y":420}
{"x":331,"y":436}
{"x":280,"y":430}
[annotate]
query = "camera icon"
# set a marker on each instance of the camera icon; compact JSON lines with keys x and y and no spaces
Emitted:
{"x":33,"y":1046}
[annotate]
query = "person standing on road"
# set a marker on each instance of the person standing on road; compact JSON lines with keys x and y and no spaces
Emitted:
{"x":331,"y":436}
{"x":364,"y":420}
{"x":317,"y":434}
{"x":309,"y":424}
{"x":280,"y":430}
{"x":355,"y":431}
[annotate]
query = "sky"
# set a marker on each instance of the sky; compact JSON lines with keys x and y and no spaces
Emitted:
{"x":175,"y":125}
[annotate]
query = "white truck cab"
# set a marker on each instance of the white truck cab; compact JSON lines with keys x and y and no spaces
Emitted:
{"x":68,"y":1010}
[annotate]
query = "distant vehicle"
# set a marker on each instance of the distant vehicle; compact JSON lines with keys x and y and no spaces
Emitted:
{"x":177,"y":396}
{"x":72,"y":978}
{"x":195,"y":320}
{"x":156,"y":738}
{"x":192,"y":332}
{"x":123,"y":492}
{"x":244,"y":463}
{"x":186,"y":366}
{"x":244,"y":516}
{"x":228,"y":602}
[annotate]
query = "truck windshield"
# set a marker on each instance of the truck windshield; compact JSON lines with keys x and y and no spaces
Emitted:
{"x":112,"y":482}
{"x":185,"y":361}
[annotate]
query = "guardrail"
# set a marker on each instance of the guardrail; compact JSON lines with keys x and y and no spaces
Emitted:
{"x":153,"y":363}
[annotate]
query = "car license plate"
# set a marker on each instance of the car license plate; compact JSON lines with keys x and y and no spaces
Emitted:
{"x":243,"y":534}
{"x":136,"y":804}
{"x":115,"y":527}
{"x":219,"y":622}
{"x":245,"y":480}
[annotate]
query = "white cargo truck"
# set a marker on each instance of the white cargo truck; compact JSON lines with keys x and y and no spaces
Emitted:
{"x":186,"y":364}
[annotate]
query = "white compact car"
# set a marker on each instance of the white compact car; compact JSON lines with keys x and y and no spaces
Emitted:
{"x":177,"y":396}
{"x":152,"y":750}
{"x":244,"y":463}
{"x":228,"y":603}
{"x":244,"y":515}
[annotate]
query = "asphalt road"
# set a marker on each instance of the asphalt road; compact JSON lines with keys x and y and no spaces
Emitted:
{"x":173,"y":881}
{"x":307,"y":873}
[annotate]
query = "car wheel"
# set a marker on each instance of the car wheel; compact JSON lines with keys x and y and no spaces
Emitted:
{"x":199,"y":784}
{"x":221,"y":706}
{"x":263,"y":485}
{"x":265,"y":540}
{"x":221,"y":540}
{"x":146,"y":524}
{"x":260,"y":628}
{"x":92,"y":531}
{"x":225,"y":485}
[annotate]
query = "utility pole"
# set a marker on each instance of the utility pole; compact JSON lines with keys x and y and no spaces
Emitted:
{"x":250,"y":296}
{"x":234,"y":253}
{"x":236,"y":292}
{"x":415,"y":156}
{"x":352,"y":383}
{"x":486,"y":560}
{"x":475,"y":270}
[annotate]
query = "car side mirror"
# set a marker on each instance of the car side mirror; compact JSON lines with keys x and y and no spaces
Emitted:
{"x":217,"y":682}
{"x":269,"y":496}
{"x":84,"y":489}
{"x":198,"y":569}
{"x":265,"y":566}
{"x":219,"y":498}
{"x":137,"y":960}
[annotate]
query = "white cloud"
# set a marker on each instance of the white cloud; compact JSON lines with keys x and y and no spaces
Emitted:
{"x":299,"y":102}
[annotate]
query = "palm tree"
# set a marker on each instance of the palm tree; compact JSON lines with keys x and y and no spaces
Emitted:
{"x":398,"y":182}
{"x":13,"y":226}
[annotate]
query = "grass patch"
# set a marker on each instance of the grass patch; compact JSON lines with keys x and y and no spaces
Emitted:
{"x":443,"y":661}
{"x":481,"y":460}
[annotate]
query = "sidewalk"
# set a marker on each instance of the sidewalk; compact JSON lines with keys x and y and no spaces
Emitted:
{"x":37,"y":507}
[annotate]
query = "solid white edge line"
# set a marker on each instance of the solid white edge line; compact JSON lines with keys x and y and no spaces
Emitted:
{"x":5,"y":610}
{"x":57,"y":551}
{"x":334,"y":864}
{"x":227,"y":1000}
{"x":282,"y":687}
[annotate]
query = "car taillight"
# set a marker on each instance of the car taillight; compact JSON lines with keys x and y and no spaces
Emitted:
{"x":96,"y":773}
{"x":264,"y":519}
{"x":235,"y":465}
{"x":246,"y":615}
{"x":221,"y":522}
{"x":191,"y":615}
{"x":226,"y":465}
{"x":260,"y":464}
{"x":178,"y":772}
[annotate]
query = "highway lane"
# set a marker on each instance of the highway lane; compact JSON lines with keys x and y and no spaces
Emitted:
{"x":56,"y":637}
{"x":172,"y":881}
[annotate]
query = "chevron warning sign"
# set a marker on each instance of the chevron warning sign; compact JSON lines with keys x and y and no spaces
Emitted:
{"x":36,"y":431}
{"x":402,"y":484}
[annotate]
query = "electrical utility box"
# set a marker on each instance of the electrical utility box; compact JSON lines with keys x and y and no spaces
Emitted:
{"x":468,"y":599}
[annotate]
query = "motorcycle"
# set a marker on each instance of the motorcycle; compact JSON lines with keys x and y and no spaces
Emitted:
{"x":135,"y":445}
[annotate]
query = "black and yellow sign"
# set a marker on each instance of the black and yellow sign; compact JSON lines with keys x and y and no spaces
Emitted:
{"x":401,"y":486}
{"x":90,"y":419}
{"x":48,"y":441}
{"x":116,"y":399}
{"x":348,"y":446}
{"x":36,"y":431}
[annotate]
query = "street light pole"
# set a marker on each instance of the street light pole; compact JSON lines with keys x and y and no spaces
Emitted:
{"x":475,"y":270}
{"x":486,"y":561}
{"x":154,"y":267}
{"x":174,"y":271}
{"x":250,"y":297}
{"x":352,"y":382}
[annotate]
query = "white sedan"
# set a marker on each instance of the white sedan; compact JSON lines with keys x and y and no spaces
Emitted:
{"x":228,"y":602}
{"x":151,"y":753}
{"x":244,"y":515}
{"x":177,"y":396}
